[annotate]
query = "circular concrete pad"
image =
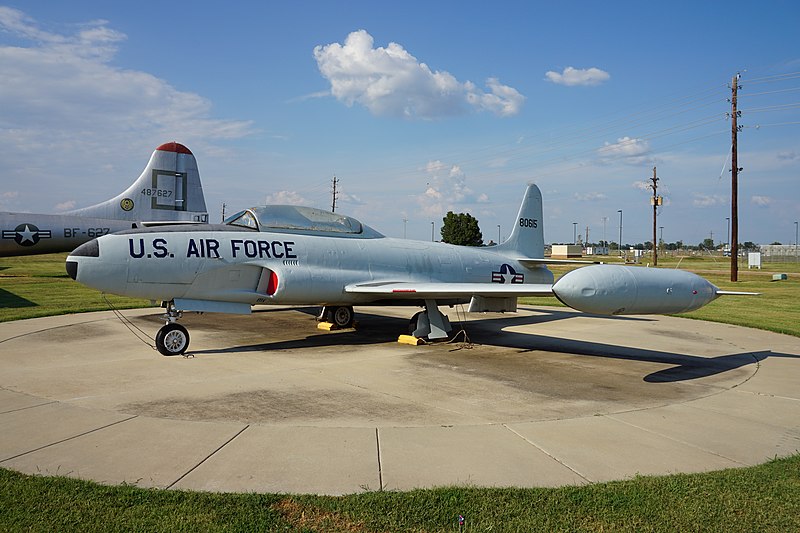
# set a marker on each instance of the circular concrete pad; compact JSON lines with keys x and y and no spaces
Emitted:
{"x":267,"y":402}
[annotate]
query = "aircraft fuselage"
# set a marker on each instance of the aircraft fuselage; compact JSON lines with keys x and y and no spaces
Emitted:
{"x":27,"y":233}
{"x":252,"y":267}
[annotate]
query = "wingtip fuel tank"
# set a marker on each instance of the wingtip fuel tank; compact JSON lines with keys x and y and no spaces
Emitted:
{"x":626,"y":290}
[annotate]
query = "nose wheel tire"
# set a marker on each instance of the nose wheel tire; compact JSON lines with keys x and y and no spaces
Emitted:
{"x":172,"y":339}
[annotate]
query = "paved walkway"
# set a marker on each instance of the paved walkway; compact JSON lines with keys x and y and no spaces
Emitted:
{"x":267,"y":403}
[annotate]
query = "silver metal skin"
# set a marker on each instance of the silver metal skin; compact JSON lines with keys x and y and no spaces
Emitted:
{"x":168,"y":190}
{"x":294,"y":255}
{"x":626,"y":290}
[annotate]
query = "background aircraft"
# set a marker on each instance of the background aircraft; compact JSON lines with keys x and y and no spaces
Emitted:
{"x":168,"y":189}
{"x":301,"y":255}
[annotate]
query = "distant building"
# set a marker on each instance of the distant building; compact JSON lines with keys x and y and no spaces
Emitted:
{"x":779,"y":250}
{"x":597,"y":250}
{"x":566,"y":251}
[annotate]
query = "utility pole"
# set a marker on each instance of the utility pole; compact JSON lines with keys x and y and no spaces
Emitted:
{"x":605,"y":243}
{"x":335,"y":194}
{"x":223,"y":211}
{"x":656,"y":201}
{"x":735,"y":114}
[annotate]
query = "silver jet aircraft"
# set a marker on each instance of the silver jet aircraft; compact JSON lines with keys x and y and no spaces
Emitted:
{"x":300,"y":255}
{"x":168,"y":189}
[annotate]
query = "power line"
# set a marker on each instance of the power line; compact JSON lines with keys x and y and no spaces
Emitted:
{"x":778,"y":107}
{"x":748,"y":95}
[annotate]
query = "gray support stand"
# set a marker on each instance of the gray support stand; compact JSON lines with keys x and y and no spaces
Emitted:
{"x":439,"y":324}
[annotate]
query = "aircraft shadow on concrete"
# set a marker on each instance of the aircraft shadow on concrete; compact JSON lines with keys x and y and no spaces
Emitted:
{"x":10,"y":300}
{"x":378,"y":329}
{"x":686,"y":367}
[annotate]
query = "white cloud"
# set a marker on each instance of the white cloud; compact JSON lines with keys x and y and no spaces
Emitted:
{"x":61,"y":92}
{"x":392,"y":82}
{"x":66,"y":206}
{"x":641,"y":185}
{"x":575,"y":76}
{"x":761,"y":201}
{"x":350,"y":199}
{"x":627,"y":149}
{"x":7,"y":199}
{"x":789,"y":156}
{"x":705,"y":200}
{"x":286,"y":198}
{"x":589,"y":196}
{"x":447,"y":190}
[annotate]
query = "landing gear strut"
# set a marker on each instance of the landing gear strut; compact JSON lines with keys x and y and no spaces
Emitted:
{"x":430,"y":323}
{"x":341,"y":316}
{"x":172,"y":339}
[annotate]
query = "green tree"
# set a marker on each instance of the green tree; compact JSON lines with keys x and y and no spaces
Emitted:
{"x":462,"y":229}
{"x":707,"y":244}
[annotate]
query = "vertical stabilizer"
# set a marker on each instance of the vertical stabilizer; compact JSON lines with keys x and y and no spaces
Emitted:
{"x":169,"y":188}
{"x":527,"y":237}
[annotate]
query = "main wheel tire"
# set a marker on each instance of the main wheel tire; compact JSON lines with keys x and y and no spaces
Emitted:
{"x":172,"y":339}
{"x":342,"y":316}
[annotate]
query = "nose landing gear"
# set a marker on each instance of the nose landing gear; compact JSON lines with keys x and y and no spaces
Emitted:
{"x":172,"y":339}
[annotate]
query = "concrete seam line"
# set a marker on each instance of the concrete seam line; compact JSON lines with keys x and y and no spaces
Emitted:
{"x":68,"y":438}
{"x":28,"y":407}
{"x":551,"y":456}
{"x":674,"y":439}
{"x":207,"y":457}
{"x":52,"y":328}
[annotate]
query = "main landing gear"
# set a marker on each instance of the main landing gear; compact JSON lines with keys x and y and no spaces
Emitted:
{"x":172,"y":339}
{"x":430,"y":323}
{"x":340,"y":316}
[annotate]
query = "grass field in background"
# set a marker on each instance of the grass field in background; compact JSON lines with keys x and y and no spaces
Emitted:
{"x":762,"y":498}
{"x":38,"y":285}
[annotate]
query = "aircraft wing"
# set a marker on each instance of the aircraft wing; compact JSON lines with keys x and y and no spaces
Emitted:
{"x":402,"y":289}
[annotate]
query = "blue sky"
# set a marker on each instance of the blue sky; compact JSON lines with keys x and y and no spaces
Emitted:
{"x":418,"y":108}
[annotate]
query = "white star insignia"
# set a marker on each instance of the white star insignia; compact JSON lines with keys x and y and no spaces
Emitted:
{"x":27,"y":235}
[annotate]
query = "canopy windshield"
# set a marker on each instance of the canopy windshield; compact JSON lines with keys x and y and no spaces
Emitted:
{"x":291,"y":217}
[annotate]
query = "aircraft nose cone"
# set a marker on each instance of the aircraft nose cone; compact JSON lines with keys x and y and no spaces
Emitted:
{"x":72,"y":269}
{"x":87,"y":249}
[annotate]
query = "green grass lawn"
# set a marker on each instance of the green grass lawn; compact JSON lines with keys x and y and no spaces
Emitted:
{"x":760,"y":498}
{"x":38,"y":285}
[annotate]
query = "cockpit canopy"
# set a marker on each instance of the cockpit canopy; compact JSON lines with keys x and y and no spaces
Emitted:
{"x":297,"y":218}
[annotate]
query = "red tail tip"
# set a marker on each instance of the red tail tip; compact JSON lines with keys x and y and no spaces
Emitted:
{"x":174,"y":147}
